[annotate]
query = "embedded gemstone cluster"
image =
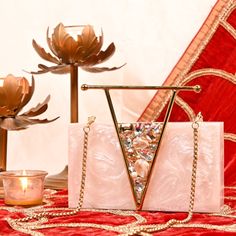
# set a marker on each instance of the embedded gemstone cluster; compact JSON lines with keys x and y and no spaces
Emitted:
{"x":140,"y":142}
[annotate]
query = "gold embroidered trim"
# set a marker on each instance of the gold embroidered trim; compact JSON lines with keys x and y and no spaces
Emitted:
{"x":202,"y":39}
{"x":198,"y":73}
{"x":215,"y":72}
{"x":230,"y":137}
{"x":188,"y":110}
{"x":210,"y":71}
{"x":221,"y":11}
{"x":229,"y":28}
{"x":230,"y":198}
{"x":227,"y":13}
{"x":230,"y":187}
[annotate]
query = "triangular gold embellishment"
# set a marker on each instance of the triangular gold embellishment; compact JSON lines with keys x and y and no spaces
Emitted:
{"x":140,"y":143}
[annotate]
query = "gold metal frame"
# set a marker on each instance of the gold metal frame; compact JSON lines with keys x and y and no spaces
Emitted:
{"x":106,"y":89}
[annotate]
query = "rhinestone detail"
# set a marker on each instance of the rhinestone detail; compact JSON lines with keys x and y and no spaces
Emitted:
{"x":140,"y":142}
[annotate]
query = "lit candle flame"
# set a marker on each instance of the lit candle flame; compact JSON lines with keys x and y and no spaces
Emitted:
{"x":24,"y":181}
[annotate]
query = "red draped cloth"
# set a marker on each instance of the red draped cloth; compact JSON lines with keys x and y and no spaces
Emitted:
{"x":210,"y":61}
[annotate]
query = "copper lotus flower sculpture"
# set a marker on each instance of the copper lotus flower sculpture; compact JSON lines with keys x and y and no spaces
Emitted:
{"x":85,"y":51}
{"x":15,"y":93}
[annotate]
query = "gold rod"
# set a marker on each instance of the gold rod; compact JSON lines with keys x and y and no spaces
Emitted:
{"x":166,"y":119}
{"x":195,"y":88}
{"x":74,"y":26}
{"x":113,"y":115}
{"x":74,"y":103}
{"x":3,"y":149}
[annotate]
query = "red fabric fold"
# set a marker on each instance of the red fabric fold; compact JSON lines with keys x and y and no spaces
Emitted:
{"x":214,"y":69}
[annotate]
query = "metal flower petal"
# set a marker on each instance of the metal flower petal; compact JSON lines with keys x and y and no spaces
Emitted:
{"x":100,"y":69}
{"x":10,"y":123}
{"x":39,"y":109}
{"x":5,"y":111}
{"x":83,"y":51}
{"x":45,"y":55}
{"x":15,"y":93}
{"x":21,"y":122}
{"x":60,"y":69}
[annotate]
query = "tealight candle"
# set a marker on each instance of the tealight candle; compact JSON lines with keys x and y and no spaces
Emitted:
{"x":23,"y":187}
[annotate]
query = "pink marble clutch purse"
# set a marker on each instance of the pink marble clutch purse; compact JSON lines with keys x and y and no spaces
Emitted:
{"x":107,"y":182}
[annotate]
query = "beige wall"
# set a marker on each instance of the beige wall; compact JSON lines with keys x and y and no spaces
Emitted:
{"x":150,"y":35}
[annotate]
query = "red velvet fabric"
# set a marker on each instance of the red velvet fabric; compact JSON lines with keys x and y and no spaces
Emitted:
{"x":115,"y":220}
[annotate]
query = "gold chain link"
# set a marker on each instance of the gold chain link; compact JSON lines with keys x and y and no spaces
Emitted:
{"x":128,"y":230}
{"x":141,"y":230}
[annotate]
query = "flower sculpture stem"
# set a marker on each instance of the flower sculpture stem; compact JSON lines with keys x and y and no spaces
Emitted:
{"x":68,"y":54}
{"x":74,"y":100}
{"x":3,"y":149}
{"x":60,"y":180}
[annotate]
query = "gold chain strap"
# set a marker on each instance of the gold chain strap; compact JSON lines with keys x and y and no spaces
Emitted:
{"x":17,"y":224}
{"x":143,"y":230}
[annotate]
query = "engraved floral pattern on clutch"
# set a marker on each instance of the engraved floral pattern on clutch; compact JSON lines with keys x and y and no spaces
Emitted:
{"x":140,"y":141}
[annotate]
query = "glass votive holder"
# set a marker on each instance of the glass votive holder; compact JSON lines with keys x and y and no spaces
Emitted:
{"x":23,"y":187}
